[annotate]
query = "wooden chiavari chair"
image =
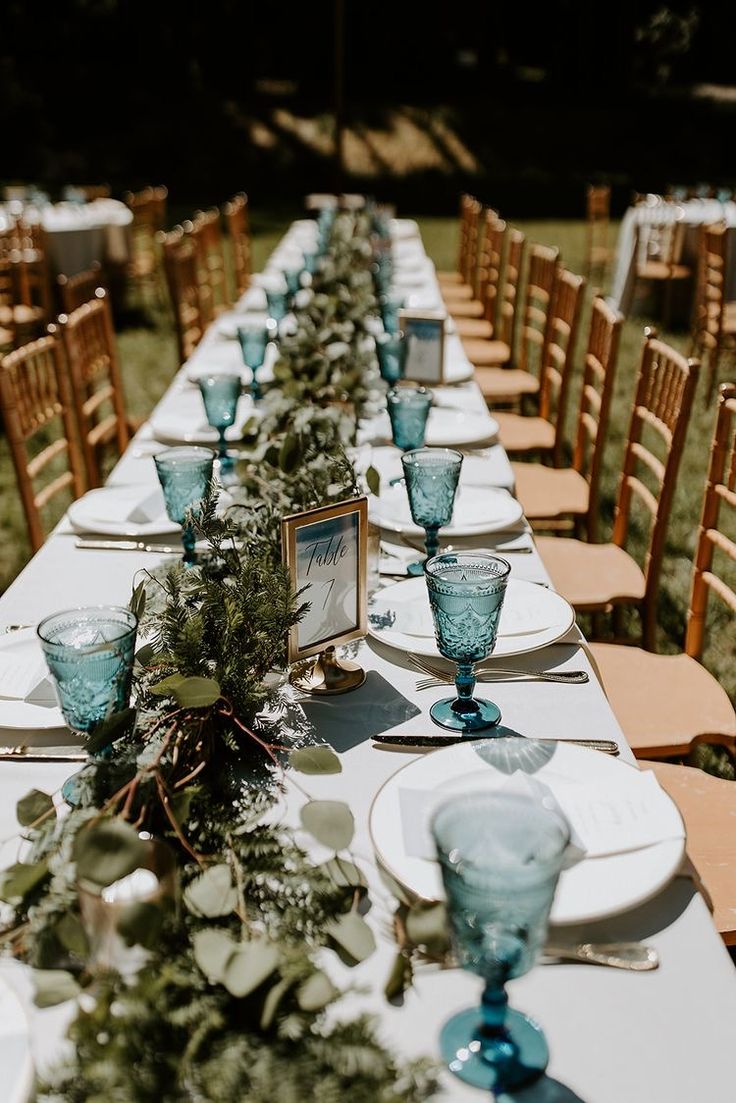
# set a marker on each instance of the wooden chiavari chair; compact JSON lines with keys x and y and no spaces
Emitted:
{"x":560,"y":497}
{"x":657,"y":259}
{"x":211,"y":272}
{"x":667,"y":703}
{"x":74,"y":291}
{"x":459,"y":275}
{"x":95,"y":191}
{"x":598,"y":213}
{"x":503,"y":385}
{"x":714,"y":320}
{"x":454,"y":293}
{"x":598,"y":578}
{"x":180,"y":264}
{"x":31,"y":290}
{"x":490,"y":258}
{"x":149,"y":216}
{"x":545,"y":432}
{"x":499,"y":320}
{"x":97,"y":392}
{"x":238,"y":228}
{"x":36,"y":401}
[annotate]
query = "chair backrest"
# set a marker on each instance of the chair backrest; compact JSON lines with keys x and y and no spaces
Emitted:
{"x":558,"y":354}
{"x":598,"y":208}
{"x":36,"y":401}
{"x":97,"y":392}
{"x":238,"y":228}
{"x":79,"y":289}
{"x":466,"y":206}
{"x":599,"y":371}
{"x":469,"y":269}
{"x":709,"y":289}
{"x":543,"y":262}
{"x":489,"y":264}
{"x":33,"y":278}
{"x":659,"y":240}
{"x":149,"y":217}
{"x":662,"y":406}
{"x":507,"y":307}
{"x":95,"y":191}
{"x":720,"y":494}
{"x":180,"y":265}
{"x":211,"y":271}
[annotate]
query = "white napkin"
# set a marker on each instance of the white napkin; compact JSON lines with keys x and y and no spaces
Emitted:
{"x":604,"y":819}
{"x":24,"y":677}
{"x":139,"y":505}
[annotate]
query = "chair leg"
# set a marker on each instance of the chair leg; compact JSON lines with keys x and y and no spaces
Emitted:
{"x":667,"y":304}
{"x":714,"y":360}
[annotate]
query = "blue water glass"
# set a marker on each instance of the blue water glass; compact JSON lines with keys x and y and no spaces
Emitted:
{"x":408,"y":410}
{"x":253,"y":343}
{"x":431,"y":476}
{"x":89,"y":653}
{"x":466,"y":592}
{"x":390,"y":307}
{"x":220,"y":394}
{"x":293,"y":280}
{"x":310,"y":262}
{"x":276,"y":306}
{"x":185,"y":474}
{"x":500,"y":856}
{"x":391,"y":352}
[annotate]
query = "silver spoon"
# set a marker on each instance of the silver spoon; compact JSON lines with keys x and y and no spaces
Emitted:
{"x":634,"y":956}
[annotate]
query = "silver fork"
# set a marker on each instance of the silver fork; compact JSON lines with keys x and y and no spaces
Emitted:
{"x":486,"y":673}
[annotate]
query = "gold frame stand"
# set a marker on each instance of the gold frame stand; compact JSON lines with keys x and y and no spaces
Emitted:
{"x":326,"y":675}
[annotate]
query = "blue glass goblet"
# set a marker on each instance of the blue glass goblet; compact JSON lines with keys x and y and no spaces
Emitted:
{"x":501,"y":856}
{"x":431,"y":476}
{"x":220,"y":394}
{"x":89,"y":653}
{"x":293,"y":280}
{"x":390,"y":307}
{"x":276,"y":305}
{"x":253,"y":343}
{"x":466,"y":592}
{"x":185,"y":474}
{"x":310,"y":262}
{"x":408,"y":409}
{"x":391,"y":352}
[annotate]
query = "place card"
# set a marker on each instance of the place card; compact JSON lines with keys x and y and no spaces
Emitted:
{"x":325,"y":550}
{"x":424,"y":333}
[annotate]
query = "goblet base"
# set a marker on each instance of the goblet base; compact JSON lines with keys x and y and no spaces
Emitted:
{"x":508,"y":1063}
{"x":415,"y":570}
{"x":487,"y":715}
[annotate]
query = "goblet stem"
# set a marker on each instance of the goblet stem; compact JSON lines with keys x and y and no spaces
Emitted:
{"x":431,"y":541}
{"x":255,"y":386}
{"x":222,"y":447}
{"x":464,"y":684}
{"x":188,"y":539}
{"x":497,"y":1047}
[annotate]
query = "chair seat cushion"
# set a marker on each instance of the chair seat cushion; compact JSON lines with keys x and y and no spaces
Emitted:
{"x":497,"y":384}
{"x":471,"y":308}
{"x":456,"y":292}
{"x":449,"y":278}
{"x":658,"y":270}
{"x":662,"y":702}
{"x":591,"y":576}
{"x":486,"y":354}
{"x":474,"y":327}
{"x":550,"y":492}
{"x":523,"y":434}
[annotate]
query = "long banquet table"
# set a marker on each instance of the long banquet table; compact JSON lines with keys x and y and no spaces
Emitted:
{"x":615,"y":1037}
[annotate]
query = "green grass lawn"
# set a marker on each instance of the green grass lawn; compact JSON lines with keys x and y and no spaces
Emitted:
{"x":148,"y":358}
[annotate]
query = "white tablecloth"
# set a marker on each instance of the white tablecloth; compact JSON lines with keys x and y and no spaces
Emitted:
{"x":615,"y":1037}
{"x":78,"y":234}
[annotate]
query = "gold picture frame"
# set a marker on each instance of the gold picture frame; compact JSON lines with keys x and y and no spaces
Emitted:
{"x":424,"y":326}
{"x":327,"y":548}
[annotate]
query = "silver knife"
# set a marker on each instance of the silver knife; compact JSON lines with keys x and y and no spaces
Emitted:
{"x":126,"y":545}
{"x":428,"y":743}
{"x":40,"y":754}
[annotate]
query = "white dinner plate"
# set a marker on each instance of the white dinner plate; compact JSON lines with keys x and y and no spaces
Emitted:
{"x":15,"y":1048}
{"x":532,"y":617}
{"x":106,"y":511}
{"x":592,"y":889}
{"x":458,"y":369}
{"x":386,"y":458}
{"x":183,"y":421}
{"x":446,"y":428}
{"x":478,"y":510}
{"x":25,"y":715}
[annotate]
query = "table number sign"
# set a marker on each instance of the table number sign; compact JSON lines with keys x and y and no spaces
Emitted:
{"x":424,"y":333}
{"x":325,"y":550}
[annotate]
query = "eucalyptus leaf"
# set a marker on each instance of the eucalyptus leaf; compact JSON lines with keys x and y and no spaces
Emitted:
{"x":272,"y":1001}
{"x":315,"y":760}
{"x":212,"y":894}
{"x":107,"y":731}
{"x":427,"y":927}
{"x":18,"y":880}
{"x":144,"y":654}
{"x":249,"y":965}
{"x":344,"y":874}
{"x":212,"y":950}
{"x":181,"y":803}
{"x":290,"y":454}
{"x":166,"y":687}
{"x":32,"y":807}
{"x":108,"y":850}
{"x":352,"y":933}
{"x":72,"y":935}
{"x":316,"y":992}
{"x":139,"y":923}
{"x":330,"y":822}
{"x":196,"y":693}
{"x":137,"y":604}
{"x":400,"y":977}
{"x":53,"y":986}
{"x":373,"y":478}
